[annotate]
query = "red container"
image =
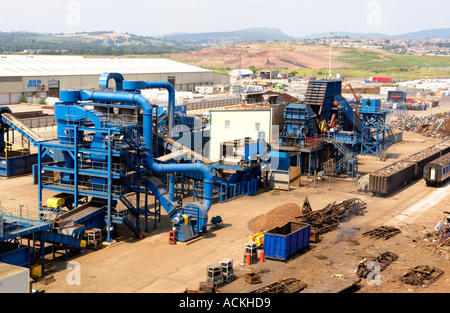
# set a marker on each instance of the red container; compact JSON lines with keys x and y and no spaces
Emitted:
{"x":381,"y":79}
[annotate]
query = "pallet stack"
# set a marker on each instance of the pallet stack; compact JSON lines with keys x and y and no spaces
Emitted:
{"x":214,"y":275}
{"x":251,"y":253}
{"x":227,"y":270}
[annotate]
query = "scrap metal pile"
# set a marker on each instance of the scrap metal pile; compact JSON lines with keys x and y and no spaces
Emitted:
{"x":437,"y":125}
{"x":393,"y":168}
{"x":383,"y":232}
{"x":288,"y":285}
{"x":422,"y":275}
{"x":439,"y":238}
{"x":329,"y":218}
{"x":383,"y":261}
{"x":284,"y":97}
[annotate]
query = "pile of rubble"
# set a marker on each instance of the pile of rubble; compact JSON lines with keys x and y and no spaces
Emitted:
{"x":439,"y":237}
{"x":288,"y":285}
{"x":393,"y":168}
{"x":383,"y":232}
{"x":437,"y":125}
{"x":422,"y":275}
{"x":285,"y":97}
{"x":329,"y":218}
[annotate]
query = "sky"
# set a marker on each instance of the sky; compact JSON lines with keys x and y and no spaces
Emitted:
{"x":293,"y":17}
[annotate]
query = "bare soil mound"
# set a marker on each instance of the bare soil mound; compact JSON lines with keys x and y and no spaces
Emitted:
{"x":269,"y":55}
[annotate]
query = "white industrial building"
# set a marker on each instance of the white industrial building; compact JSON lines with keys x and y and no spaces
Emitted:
{"x":231,"y":124}
{"x":44,"y":76}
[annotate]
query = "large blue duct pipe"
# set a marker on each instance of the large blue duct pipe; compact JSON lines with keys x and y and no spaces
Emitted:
{"x":136,"y":98}
{"x":139,"y":85}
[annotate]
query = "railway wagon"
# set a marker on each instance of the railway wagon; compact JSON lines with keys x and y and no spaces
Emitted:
{"x":391,"y":178}
{"x":437,"y":172}
{"x":422,"y":158}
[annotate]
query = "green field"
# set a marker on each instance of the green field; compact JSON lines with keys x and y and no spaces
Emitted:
{"x":365,"y":63}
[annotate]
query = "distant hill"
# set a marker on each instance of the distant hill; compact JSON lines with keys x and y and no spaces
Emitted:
{"x":86,"y":43}
{"x":420,"y":35}
{"x":345,"y":34}
{"x":251,"y":34}
{"x":270,"y":34}
{"x":427,"y":34}
{"x":111,"y":43}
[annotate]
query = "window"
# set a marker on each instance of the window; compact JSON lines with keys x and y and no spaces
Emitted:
{"x":7,"y":79}
{"x":227,"y":124}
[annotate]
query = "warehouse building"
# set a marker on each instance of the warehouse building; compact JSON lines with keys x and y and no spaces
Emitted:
{"x":45,"y":76}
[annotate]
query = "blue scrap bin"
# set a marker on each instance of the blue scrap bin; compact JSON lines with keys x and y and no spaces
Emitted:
{"x":282,"y":242}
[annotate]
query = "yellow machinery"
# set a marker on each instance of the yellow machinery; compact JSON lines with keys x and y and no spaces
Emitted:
{"x":258,"y":238}
{"x":55,"y":202}
{"x":60,"y":200}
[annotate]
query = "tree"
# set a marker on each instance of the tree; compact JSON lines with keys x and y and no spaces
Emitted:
{"x":253,"y":69}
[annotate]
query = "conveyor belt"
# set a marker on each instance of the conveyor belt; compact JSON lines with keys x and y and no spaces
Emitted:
{"x":21,"y":128}
{"x":181,"y":147}
{"x":75,"y":216}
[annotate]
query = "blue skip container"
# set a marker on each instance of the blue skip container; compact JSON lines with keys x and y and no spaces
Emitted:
{"x":282,"y":242}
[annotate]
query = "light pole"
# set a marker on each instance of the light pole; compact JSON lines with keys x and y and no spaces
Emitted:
{"x":329,"y":71}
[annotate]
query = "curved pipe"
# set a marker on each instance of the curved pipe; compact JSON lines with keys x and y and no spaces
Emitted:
{"x":171,"y":106}
{"x":136,"y":85}
{"x":135,"y":98}
{"x":63,"y":113}
{"x":105,"y":77}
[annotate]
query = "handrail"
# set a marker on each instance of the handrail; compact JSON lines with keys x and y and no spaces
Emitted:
{"x":11,"y":147}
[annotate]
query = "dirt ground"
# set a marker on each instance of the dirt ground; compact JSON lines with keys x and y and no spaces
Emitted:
{"x":262,"y":55}
{"x":153,"y":265}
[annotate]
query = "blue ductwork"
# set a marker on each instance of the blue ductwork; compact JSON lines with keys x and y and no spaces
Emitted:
{"x":159,"y":192}
{"x":138,"y":85}
{"x":131,"y":86}
{"x":105,"y":77}
{"x":172,"y":187}
{"x":72,"y":113}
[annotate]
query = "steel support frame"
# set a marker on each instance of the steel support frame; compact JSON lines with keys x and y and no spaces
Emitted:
{"x":376,"y":122}
{"x":73,"y":150}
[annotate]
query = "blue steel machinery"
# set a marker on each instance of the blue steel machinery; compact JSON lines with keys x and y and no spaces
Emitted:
{"x":13,"y":225}
{"x":106,"y":158}
{"x":105,"y":152}
{"x":326,"y":121}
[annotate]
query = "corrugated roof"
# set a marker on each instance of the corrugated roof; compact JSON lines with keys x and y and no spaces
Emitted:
{"x":20,"y":65}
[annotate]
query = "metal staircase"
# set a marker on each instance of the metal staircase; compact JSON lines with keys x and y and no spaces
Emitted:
{"x":346,"y":161}
{"x":128,"y":144}
{"x":131,"y":218}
